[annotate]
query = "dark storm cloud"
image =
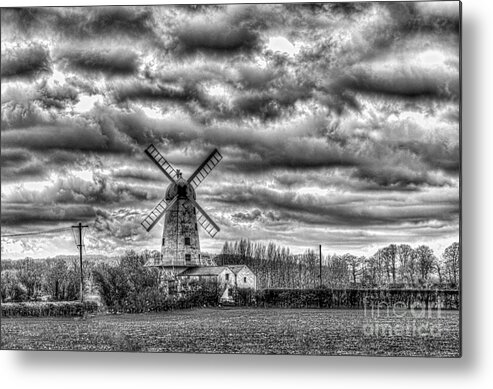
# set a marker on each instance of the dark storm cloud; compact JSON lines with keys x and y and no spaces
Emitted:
{"x":32,"y":171}
{"x":399,"y":31}
{"x":110,"y":61}
{"x":251,"y":151}
{"x":138,"y":90}
{"x":68,"y":135}
{"x":399,"y":178}
{"x":407,"y":86}
{"x":191,"y":73}
{"x":267,"y":105}
{"x":437,"y":155}
{"x":233,"y":31}
{"x":363,"y":178}
{"x":14,"y":157}
{"x":63,"y":158}
{"x":71,"y":190}
{"x":253,"y":101}
{"x":102,"y":130}
{"x":349,"y":217}
{"x":250,"y":76}
{"x":236,"y":73}
{"x":267,"y":161}
{"x":416,"y":18}
{"x":256,"y":104}
{"x":83,"y":23}
{"x":27,"y":106}
{"x":134,"y":22}
{"x":18,"y":164}
{"x":344,"y":210}
{"x":25,"y":18}
{"x":14,"y":214}
{"x":28,"y":62}
{"x":211,"y":37}
{"x":138,"y":174}
{"x":403,"y":21}
{"x":291,"y":147}
{"x":345,"y":9}
{"x":122,"y":224}
{"x":107,"y":130}
{"x":408,"y":165}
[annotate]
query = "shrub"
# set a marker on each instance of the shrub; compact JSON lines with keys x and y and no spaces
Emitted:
{"x":244,"y":297}
{"x":130,"y":286}
{"x":356,"y":298}
{"x":40,"y":309}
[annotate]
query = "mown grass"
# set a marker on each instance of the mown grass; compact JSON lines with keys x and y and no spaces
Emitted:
{"x":258,"y":331}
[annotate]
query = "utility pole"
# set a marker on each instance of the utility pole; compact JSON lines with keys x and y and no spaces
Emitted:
{"x":79,"y":245}
{"x":320,"y":263}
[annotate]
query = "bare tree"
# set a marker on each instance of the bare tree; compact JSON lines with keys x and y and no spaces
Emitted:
{"x":425,"y":261}
{"x":406,"y":264}
{"x":389,"y":255}
{"x":354,"y":266}
{"x":451,"y":258}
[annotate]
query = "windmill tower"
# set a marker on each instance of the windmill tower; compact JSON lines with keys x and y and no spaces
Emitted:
{"x":180,"y":245}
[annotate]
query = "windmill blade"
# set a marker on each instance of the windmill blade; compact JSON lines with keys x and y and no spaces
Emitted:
{"x":204,"y":220}
{"x":161,"y":162}
{"x":203,"y":170}
{"x":157,"y":213}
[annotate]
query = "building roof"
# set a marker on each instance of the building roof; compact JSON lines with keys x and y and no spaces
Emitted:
{"x":236,"y":268}
{"x":203,"y":271}
{"x":211,"y":270}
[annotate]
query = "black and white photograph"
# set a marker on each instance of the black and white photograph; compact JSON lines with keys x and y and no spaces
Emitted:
{"x":276,"y":178}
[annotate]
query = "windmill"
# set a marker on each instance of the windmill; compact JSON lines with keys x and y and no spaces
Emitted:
{"x":180,"y":246}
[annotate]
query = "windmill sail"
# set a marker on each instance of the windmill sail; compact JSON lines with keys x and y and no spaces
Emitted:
{"x":204,"y":220}
{"x":203,"y":170}
{"x":161,"y":162}
{"x":157,"y":213}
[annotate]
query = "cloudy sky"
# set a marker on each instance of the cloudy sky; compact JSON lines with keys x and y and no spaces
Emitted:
{"x":338,"y":123}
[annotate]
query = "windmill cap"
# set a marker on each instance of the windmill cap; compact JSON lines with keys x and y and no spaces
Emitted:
{"x":181,"y":187}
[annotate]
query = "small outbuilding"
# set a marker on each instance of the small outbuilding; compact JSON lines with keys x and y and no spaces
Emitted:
{"x":228,"y":278}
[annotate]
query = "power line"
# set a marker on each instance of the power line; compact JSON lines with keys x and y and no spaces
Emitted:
{"x":37,"y":232}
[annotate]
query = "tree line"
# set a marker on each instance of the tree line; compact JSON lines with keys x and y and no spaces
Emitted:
{"x":394,"y":266}
{"x":58,"y":279}
{"x":126,"y":281}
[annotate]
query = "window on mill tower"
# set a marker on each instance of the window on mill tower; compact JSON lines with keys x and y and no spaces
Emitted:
{"x":187,"y":241}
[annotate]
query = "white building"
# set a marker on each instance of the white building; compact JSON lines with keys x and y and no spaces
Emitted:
{"x":226,"y":277}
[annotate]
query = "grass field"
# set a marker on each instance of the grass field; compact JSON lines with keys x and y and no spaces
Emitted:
{"x":259,"y":331}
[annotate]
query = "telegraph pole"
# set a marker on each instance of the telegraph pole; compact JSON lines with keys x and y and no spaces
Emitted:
{"x":80,"y":227}
{"x":320,"y":263}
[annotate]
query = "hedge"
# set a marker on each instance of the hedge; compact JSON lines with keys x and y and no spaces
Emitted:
{"x":358,"y":298}
{"x":40,"y":309}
